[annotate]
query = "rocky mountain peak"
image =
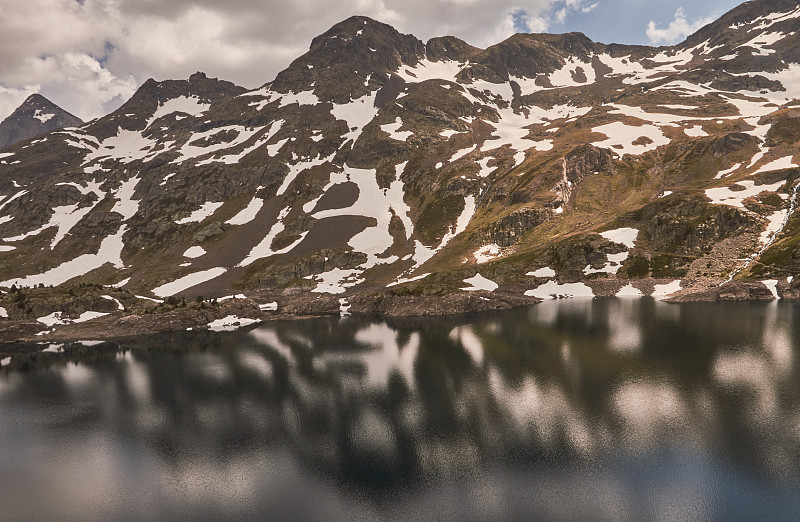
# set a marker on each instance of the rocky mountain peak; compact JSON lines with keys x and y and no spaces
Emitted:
{"x":35,"y":116}
{"x":351,"y":59}
{"x":759,"y":34}
{"x":170,"y":97}
{"x":528,"y":55}
{"x":450,"y":48}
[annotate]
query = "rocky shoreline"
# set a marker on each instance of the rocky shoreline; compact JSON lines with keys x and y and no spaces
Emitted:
{"x":238,"y":311}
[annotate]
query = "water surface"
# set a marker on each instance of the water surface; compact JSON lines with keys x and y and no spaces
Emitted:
{"x":604,"y":408}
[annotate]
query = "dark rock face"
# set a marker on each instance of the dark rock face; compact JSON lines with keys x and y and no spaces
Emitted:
{"x":526,"y":55}
{"x":690,"y":226}
{"x":400,"y":305}
{"x":733,"y":291}
{"x":449,"y":48}
{"x":584,"y":161}
{"x":134,"y":114}
{"x":732,"y":143}
{"x":508,"y":230}
{"x":35,"y":116}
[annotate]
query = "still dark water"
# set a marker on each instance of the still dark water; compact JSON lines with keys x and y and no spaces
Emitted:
{"x":603,"y":409}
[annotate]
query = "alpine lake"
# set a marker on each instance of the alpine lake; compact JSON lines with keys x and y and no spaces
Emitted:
{"x":606,"y":408}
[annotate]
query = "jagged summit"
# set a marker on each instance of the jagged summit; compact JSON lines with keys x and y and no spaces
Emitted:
{"x":735,"y":25}
{"x":378,"y":168}
{"x":350,"y":59}
{"x":182,"y":96}
{"x":450,"y":48}
{"x":35,"y":116}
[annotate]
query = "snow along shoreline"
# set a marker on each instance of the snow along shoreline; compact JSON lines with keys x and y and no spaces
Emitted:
{"x":240,"y":311}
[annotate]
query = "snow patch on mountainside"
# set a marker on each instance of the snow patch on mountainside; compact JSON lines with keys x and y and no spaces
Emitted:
{"x":297,"y":168}
{"x":126,"y":206}
{"x":735,"y":198}
{"x":427,"y":70}
{"x":487,"y":253}
{"x":478,"y":282}
{"x":264,"y":248}
{"x":542,"y":272}
{"x":126,"y":146}
{"x":188,"y":281}
{"x":194,"y":252}
{"x":357,"y":114}
{"x":336,"y":281}
{"x":378,"y":204}
{"x":194,"y":147}
{"x":191,"y":105}
{"x":623,"y":236}
{"x":778,"y":164}
{"x":44,"y":118}
{"x":65,"y":217}
{"x":110,"y":251}
{"x":230,"y":323}
{"x":205,"y":210}
{"x":393,"y":130}
{"x":665,"y":290}
{"x":247,"y":214}
{"x":629,"y":139}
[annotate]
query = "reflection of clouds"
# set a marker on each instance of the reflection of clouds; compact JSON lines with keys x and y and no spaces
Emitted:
{"x":777,"y":339}
{"x":624,"y":324}
{"x":215,"y":368}
{"x":448,"y":457}
{"x":557,"y":392}
{"x":137,"y":379}
{"x":648,"y":407}
{"x":543,"y":409}
{"x":750,"y":371}
{"x":76,"y":375}
{"x":372,"y":435}
{"x":668,"y":311}
{"x":545,"y":313}
{"x":256,"y":363}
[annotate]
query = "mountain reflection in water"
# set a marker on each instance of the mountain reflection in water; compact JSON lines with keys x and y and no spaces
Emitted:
{"x":604,"y":408}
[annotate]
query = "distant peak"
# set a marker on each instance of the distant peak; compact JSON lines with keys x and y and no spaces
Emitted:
{"x":36,"y":99}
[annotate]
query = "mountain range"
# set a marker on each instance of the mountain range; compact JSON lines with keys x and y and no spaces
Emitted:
{"x":378,"y":167}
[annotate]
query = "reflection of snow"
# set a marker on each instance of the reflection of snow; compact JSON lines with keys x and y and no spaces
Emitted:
{"x":385,"y":357}
{"x":471,"y":343}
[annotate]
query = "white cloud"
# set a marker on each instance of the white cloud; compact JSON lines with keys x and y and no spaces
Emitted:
{"x":678,"y":29}
{"x":81,"y":83}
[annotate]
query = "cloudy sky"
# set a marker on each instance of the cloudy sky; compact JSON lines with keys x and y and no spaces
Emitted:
{"x":89,"y":56}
